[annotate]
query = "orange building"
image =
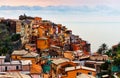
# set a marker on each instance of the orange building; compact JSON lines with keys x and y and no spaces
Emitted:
{"x":41,"y":31}
{"x":34,"y":57}
{"x":69,"y":55}
{"x":51,"y":31}
{"x":17,"y":54}
{"x":63,"y":68}
{"x":36,"y":71}
{"x":59,"y":28}
{"x":73,"y":72}
{"x":76,"y":47}
{"x":18,"y":27}
{"x":58,"y":66}
{"x":31,"y":47}
{"x":42,"y":43}
{"x":37,"y":20}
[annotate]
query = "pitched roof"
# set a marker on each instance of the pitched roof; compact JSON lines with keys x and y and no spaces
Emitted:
{"x":19,"y":52}
{"x":59,"y":61}
{"x":69,"y":55}
{"x":79,"y":67}
{"x":30,"y":54}
{"x":53,"y":46}
{"x":14,"y":75}
{"x":42,"y":38}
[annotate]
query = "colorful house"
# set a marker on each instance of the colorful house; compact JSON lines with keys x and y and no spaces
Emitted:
{"x":42,"y":43}
{"x":69,"y":55}
{"x":37,"y":20}
{"x":26,"y":65}
{"x":73,"y":72}
{"x":58,"y":66}
{"x":17,"y":54}
{"x":31,"y":56}
{"x":41,"y":31}
{"x":36,"y":71}
{"x":2,"y":59}
{"x":10,"y":66}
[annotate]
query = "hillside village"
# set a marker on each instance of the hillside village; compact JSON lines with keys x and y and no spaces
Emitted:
{"x":35,"y":48}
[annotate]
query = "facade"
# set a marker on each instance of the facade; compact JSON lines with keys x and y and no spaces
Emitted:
{"x":10,"y":66}
{"x":99,"y":57}
{"x":64,"y":68}
{"x":17,"y":54}
{"x":41,"y":31}
{"x":58,"y":66}
{"x":73,"y":72}
{"x":26,"y":65}
{"x":34,"y":57}
{"x":42,"y":43}
{"x":69,"y":55}
{"x":2,"y":59}
{"x":36,"y":71}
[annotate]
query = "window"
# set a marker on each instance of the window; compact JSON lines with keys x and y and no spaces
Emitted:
{"x":78,"y":73}
{"x":17,"y":67}
{"x":5,"y":68}
{"x":64,"y":73}
{"x":89,"y":73}
{"x":15,"y":57}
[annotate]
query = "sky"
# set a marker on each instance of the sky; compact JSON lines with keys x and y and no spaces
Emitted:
{"x":90,"y":3}
{"x":97,"y":21}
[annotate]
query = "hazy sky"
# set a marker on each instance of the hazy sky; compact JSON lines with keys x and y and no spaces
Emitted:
{"x":91,"y":3}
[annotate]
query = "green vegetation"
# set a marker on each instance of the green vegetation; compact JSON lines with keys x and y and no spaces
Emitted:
{"x":103,"y":49}
{"x":113,"y":64}
{"x":15,"y":37}
{"x":7,"y":39}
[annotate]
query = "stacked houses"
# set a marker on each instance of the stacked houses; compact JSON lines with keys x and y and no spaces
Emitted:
{"x":48,"y":50}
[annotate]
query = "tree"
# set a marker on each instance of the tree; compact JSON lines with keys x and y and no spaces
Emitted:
{"x":15,"y":37}
{"x":109,"y":52}
{"x":103,"y":49}
{"x":116,"y":61}
{"x":105,"y":66}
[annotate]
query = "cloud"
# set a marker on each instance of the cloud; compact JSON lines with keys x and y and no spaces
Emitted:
{"x":82,"y":10}
{"x":89,"y":3}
